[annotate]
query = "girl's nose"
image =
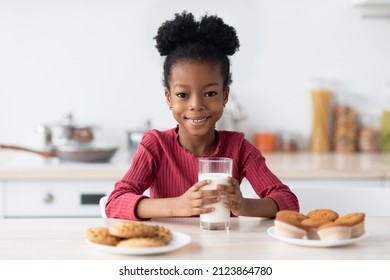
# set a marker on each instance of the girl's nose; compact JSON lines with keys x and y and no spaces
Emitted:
{"x":196,"y":103}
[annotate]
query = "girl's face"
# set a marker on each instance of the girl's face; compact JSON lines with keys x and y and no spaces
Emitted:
{"x":196,"y":96}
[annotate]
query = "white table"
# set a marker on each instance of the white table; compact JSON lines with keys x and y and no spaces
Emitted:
{"x":62,"y":239}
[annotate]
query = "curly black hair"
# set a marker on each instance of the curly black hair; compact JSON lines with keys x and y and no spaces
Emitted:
{"x":209,"y":39}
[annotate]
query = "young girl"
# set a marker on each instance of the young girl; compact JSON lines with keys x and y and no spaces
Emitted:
{"x":196,"y":78}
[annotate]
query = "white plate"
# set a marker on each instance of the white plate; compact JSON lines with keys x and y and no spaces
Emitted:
{"x":178,"y":240}
{"x":315,"y":243}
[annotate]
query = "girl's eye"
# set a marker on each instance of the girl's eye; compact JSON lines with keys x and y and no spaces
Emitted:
{"x":211,"y":93}
{"x":181,"y":95}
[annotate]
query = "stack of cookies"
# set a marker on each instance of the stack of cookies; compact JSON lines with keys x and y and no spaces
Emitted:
{"x":130,"y":234}
{"x":319,"y":224}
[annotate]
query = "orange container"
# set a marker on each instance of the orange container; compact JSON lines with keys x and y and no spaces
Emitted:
{"x":265,"y":142}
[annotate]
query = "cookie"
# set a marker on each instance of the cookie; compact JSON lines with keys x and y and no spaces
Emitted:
{"x":142,"y":242}
{"x":102,"y":236}
{"x":164,"y":233}
{"x":131,"y":229}
{"x":324,"y":214}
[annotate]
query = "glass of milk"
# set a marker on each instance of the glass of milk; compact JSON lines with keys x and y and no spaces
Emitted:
{"x":216,"y":169}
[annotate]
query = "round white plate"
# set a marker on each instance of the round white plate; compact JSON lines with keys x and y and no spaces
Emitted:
{"x":315,"y":243}
{"x":178,"y":240}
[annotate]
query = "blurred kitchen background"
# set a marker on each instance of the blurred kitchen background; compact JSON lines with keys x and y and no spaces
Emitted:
{"x":311,"y":76}
{"x":97,"y":60}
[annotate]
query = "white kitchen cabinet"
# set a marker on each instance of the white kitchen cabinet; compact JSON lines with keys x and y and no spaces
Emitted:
{"x":344,"y":196}
{"x":323,"y":183}
{"x":247,"y":190}
{"x":53,"y":198}
{"x":371,"y":3}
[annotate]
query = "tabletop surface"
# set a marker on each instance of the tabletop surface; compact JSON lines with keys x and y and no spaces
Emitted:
{"x":63,"y":239}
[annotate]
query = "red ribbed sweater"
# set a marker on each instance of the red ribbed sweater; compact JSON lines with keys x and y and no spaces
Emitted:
{"x":168,"y":170}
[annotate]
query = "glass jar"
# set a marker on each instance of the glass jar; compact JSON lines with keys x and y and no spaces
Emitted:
{"x":385,"y":131}
{"x":345,"y":125}
{"x":321,"y":98}
{"x":288,"y":143}
{"x":368,"y":140}
{"x":385,"y":125}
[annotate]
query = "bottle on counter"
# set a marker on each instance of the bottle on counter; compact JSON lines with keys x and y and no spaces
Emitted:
{"x":385,"y":126}
{"x":385,"y":131}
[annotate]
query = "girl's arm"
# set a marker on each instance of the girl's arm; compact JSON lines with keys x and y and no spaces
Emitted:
{"x":251,"y":207}
{"x":190,"y":203}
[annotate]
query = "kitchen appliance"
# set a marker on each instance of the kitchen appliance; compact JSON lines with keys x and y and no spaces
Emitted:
{"x":43,"y":198}
{"x":134,"y":136}
{"x":232,"y":115}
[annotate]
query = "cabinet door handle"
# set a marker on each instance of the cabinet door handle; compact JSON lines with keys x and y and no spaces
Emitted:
{"x":49,"y":198}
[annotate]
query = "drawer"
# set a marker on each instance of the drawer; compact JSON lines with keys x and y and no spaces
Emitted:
{"x":54,"y":199}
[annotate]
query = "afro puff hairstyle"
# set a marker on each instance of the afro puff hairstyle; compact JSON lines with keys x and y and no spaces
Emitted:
{"x":209,"y":39}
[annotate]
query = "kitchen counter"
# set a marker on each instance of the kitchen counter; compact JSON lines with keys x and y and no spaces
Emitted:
{"x":344,"y":182}
{"x":329,"y":165}
{"x":62,"y":239}
{"x":26,"y":166}
{"x":19,"y":165}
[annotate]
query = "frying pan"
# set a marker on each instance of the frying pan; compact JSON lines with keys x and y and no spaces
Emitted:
{"x":86,"y":152}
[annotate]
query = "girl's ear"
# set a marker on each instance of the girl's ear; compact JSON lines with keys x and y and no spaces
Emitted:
{"x":168,"y":97}
{"x":226,"y":95}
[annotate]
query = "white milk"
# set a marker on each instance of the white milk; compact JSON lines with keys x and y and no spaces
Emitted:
{"x":221,"y":214}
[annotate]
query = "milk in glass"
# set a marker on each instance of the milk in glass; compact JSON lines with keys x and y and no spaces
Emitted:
{"x":217,"y":170}
{"x":221,"y":214}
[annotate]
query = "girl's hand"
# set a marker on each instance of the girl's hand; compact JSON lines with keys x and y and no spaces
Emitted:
{"x":194,"y":200}
{"x":231,"y":196}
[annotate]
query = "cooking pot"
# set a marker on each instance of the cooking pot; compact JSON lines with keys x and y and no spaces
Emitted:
{"x":87,"y":152}
{"x":65,"y":131}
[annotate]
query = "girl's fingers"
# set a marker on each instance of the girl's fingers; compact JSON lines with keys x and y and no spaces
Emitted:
{"x":205,"y":210}
{"x":233,"y":182}
{"x":198,"y":185}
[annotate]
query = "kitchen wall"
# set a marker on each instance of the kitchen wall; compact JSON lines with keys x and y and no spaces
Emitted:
{"x":97,"y":59}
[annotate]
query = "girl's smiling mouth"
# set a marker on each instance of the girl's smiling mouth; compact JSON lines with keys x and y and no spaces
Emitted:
{"x":196,"y":121}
